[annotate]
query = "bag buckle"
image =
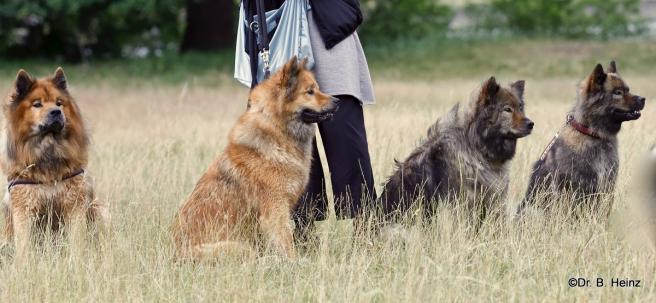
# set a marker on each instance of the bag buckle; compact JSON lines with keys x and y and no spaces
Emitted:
{"x":265,"y":60}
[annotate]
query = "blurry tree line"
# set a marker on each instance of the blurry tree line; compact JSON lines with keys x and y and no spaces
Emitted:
{"x":575,"y":19}
{"x":79,"y":29}
{"x":566,"y":18}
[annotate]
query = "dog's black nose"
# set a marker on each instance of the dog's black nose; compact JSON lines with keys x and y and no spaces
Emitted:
{"x":639,"y":102}
{"x":55,"y":113}
{"x":530,"y":124}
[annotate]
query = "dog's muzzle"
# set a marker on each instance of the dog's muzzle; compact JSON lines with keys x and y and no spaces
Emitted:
{"x":525,"y":130}
{"x":622,"y":115}
{"x":54,"y":122}
{"x":312,"y":116}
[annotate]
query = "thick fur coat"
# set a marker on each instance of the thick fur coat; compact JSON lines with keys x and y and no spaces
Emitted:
{"x":255,"y":183}
{"x":44,"y":157}
{"x":465,"y":156}
{"x":581,"y":164}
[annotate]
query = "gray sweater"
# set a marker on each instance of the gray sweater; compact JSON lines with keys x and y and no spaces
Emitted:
{"x":343,"y":69}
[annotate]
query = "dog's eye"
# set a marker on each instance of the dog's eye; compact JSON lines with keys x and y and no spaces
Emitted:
{"x":508,"y":109}
{"x":310,"y":92}
{"x":37,"y":103}
{"x":618,"y":93}
{"x":59,"y":102}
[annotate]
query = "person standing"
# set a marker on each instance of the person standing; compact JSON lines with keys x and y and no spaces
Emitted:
{"x":341,"y":70}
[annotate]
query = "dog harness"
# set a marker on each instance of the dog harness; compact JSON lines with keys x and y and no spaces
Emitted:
{"x":15,"y":182}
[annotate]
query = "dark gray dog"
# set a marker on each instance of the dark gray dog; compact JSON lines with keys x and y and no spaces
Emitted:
{"x":580,"y":165}
{"x":465,"y":155}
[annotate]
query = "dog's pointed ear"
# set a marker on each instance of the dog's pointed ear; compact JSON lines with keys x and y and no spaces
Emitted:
{"x":59,"y":79}
{"x":304,"y":63}
{"x":612,"y":67}
{"x":291,"y":68}
{"x":22,"y":84}
{"x":289,"y":79}
{"x":596,"y":79}
{"x":489,"y":91}
{"x":518,"y":88}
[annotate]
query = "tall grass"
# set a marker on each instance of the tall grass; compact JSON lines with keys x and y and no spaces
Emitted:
{"x":151,"y":142}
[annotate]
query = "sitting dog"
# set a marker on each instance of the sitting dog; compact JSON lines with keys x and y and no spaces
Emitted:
{"x":465,"y":156}
{"x":580,"y":165}
{"x":258,"y":179}
{"x":45,"y":158}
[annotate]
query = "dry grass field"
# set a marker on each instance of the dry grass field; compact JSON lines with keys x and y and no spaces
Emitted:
{"x":152,"y":141}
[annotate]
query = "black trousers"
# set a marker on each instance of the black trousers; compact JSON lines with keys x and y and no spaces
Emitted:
{"x":345,"y":143}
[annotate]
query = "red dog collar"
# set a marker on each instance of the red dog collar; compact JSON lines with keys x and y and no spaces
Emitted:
{"x":582,"y":128}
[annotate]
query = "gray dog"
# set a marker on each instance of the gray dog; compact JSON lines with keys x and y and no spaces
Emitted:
{"x":465,"y":155}
{"x":580,"y":165}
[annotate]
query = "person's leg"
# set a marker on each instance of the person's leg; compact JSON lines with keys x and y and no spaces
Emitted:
{"x":345,"y":142}
{"x":312,"y":205}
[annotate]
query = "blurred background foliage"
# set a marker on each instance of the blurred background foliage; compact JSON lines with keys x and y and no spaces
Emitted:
{"x":393,"y":20}
{"x":79,"y":30}
{"x":564,"y":18}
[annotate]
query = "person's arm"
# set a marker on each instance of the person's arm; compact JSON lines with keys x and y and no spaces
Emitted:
{"x":336,"y":19}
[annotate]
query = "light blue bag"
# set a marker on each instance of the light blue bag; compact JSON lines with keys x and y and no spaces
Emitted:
{"x":291,"y":38}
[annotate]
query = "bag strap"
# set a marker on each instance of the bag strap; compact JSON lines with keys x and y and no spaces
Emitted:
{"x":251,"y":39}
{"x":258,"y":35}
{"x":263,"y":35}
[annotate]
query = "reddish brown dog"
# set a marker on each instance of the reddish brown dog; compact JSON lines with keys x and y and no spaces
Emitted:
{"x":255,"y":183}
{"x":45,"y":157}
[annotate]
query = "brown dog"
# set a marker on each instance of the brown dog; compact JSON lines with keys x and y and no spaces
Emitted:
{"x":261,"y":174}
{"x":45,"y":157}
